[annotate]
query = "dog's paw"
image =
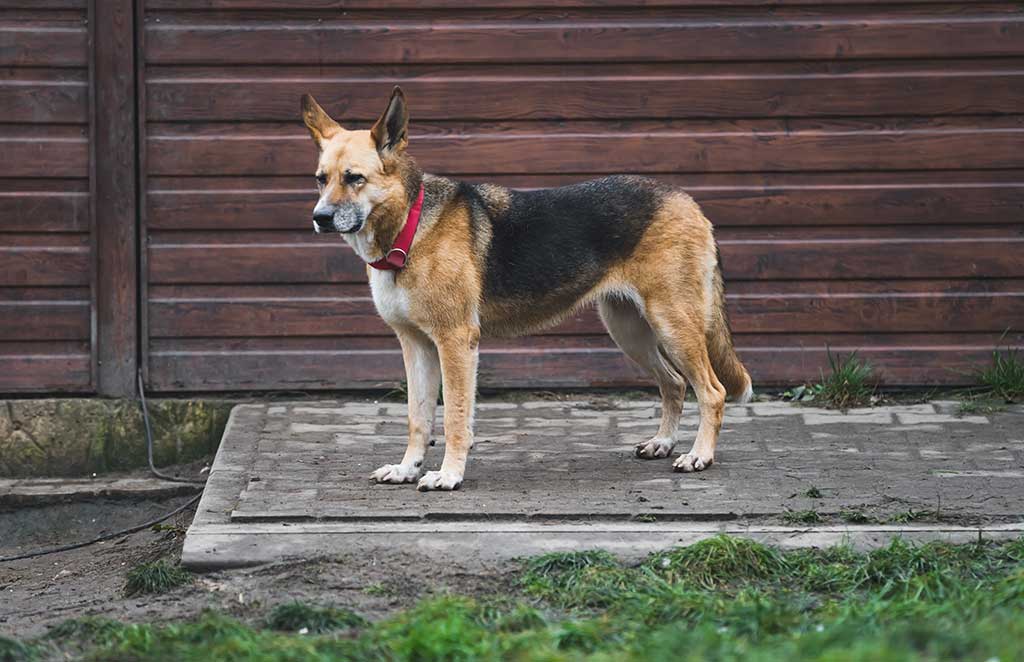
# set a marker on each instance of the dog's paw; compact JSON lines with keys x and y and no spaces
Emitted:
{"x":439,"y":480}
{"x":654,"y":448}
{"x":396,"y":473}
{"x":692,"y":462}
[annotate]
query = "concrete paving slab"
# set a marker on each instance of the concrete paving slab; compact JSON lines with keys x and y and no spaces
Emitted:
{"x":290,"y":480}
{"x":42,"y":491}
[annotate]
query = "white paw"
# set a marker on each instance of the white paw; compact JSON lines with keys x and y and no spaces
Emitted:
{"x":439,"y":480}
{"x":654,"y":448}
{"x":692,"y":462}
{"x":396,"y":473}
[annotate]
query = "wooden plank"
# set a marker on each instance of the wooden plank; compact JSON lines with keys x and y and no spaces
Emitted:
{"x":114,"y":195}
{"x":40,"y":266}
{"x":881,"y":202}
{"x":953,"y":89}
{"x":641,"y":147}
{"x":220,"y":371}
{"x":44,"y":320}
{"x":744,"y":260}
{"x":781,"y":313}
{"x":251,"y":263}
{"x":343,"y":41}
{"x":237,"y":5}
{"x":43,"y":101}
{"x":44,"y":155}
{"x":44,"y":211}
{"x":886,"y":258}
{"x":42,"y":45}
{"x":44,"y":373}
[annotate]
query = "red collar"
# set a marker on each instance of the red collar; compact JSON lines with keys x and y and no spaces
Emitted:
{"x":399,"y":253}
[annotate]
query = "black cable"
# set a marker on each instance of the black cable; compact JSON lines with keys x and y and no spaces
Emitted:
{"x":149,"y":441}
{"x":107,"y":536}
{"x":133,"y":529}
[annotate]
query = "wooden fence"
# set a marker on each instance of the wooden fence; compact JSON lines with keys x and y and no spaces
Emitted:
{"x":863,"y":162}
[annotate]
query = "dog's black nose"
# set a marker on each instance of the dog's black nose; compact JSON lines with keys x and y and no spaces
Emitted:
{"x":324,"y":220}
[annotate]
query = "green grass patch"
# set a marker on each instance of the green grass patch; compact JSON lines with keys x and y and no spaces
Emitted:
{"x":855,"y":516}
{"x":156,"y":577}
{"x":297,"y":616}
{"x":716,"y":561}
{"x":802,"y":517}
{"x":813,"y":492}
{"x":848,"y":383}
{"x":1004,"y":377}
{"x":720,"y":599}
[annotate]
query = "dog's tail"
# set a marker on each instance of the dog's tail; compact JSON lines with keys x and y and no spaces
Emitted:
{"x":730,"y":371}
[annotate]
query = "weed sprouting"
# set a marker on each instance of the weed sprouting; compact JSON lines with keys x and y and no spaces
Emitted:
{"x":802,"y":517}
{"x":813,"y":492}
{"x":1004,"y":377}
{"x":848,"y":383}
{"x":855,"y":516}
{"x":156,"y":577}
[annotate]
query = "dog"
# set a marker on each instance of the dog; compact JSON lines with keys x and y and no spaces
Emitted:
{"x":450,"y":262}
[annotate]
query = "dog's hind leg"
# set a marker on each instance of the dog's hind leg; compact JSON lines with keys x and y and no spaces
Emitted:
{"x":681,"y":332}
{"x":634,"y":336}
{"x":423,"y":379}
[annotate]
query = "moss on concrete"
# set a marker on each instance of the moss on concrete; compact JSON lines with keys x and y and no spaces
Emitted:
{"x":74,"y":437}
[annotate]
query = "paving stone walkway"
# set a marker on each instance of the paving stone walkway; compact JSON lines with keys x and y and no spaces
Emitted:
{"x":290,"y":479}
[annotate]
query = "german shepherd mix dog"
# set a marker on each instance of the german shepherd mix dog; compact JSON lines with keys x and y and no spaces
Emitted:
{"x":449,"y":262}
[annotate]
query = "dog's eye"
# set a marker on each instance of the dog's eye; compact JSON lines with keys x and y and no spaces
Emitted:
{"x":352,"y":178}
{"x":321,"y":179}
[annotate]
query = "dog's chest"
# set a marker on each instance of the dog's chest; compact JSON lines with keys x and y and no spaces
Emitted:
{"x":392,"y":301}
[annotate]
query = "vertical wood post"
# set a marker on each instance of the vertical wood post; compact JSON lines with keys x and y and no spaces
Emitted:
{"x":114,"y":188}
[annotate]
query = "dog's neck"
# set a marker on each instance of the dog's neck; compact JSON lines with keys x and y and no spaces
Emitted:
{"x":389,"y":218}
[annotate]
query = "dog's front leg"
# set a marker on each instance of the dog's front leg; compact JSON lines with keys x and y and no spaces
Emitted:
{"x":423,"y":377}
{"x":458,"y":350}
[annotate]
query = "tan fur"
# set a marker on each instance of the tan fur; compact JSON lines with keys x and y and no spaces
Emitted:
{"x":664,"y":306}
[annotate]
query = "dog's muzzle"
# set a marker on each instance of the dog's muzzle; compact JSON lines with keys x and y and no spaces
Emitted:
{"x":344,"y":218}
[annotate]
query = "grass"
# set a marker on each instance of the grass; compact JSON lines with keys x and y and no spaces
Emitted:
{"x":722,"y":599}
{"x":1004,"y":377}
{"x":155,"y":577}
{"x":802,"y":517}
{"x":849,"y":383}
{"x":297,"y":616}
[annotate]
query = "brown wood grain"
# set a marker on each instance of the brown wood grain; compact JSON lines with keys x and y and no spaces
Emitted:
{"x":45,"y":45}
{"x":43,"y":154}
{"x":44,"y":101}
{"x":44,"y":373}
{"x":36,"y":266}
{"x":220,"y":371}
{"x":236,"y":5}
{"x":905,"y":312}
{"x":965,"y":88}
{"x":740,"y":146}
{"x":114,"y":196}
{"x":341,"y":41}
{"x":44,"y":211}
{"x":44,"y":320}
{"x":324,"y":262}
{"x":888,"y":200}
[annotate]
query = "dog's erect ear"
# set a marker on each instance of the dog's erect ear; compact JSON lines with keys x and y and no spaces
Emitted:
{"x":319,"y":123}
{"x":391,"y":132}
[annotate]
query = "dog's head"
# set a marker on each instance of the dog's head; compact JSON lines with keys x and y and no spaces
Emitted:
{"x":361,"y":175}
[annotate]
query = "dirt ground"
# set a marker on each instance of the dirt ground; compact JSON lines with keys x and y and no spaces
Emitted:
{"x":38,"y":593}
